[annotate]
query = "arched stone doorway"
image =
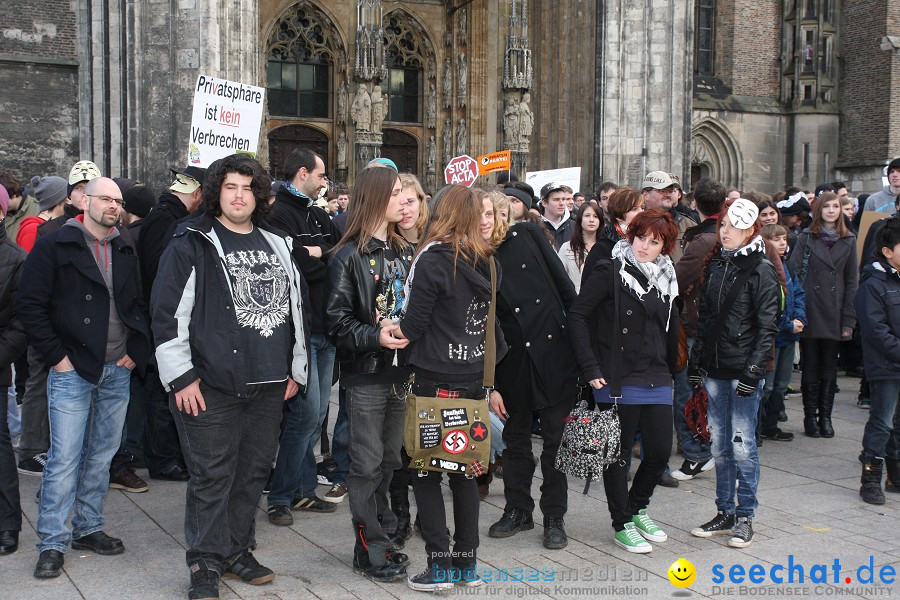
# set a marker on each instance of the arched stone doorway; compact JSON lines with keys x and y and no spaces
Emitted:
{"x":403,"y":149}
{"x":715,"y":153}
{"x":283,"y":140}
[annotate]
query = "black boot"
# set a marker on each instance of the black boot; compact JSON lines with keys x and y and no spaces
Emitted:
{"x":871,"y":482}
{"x":892,"y":483}
{"x":400,"y":506}
{"x":810,"y":391}
{"x":555,"y":536}
{"x":826,"y":403}
{"x":394,"y":570}
{"x":512,"y":522}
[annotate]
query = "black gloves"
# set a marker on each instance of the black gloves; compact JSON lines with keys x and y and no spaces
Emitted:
{"x":746,"y":385}
{"x":695,"y":377}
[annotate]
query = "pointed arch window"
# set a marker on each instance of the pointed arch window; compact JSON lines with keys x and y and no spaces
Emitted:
{"x":404,"y":58}
{"x":299,"y":66}
{"x":704,"y":38}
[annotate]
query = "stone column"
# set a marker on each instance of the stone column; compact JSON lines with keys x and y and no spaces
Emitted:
{"x":643,"y":111}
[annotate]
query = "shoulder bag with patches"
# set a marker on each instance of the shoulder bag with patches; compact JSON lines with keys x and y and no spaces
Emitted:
{"x":591,"y":440}
{"x":453,"y":435}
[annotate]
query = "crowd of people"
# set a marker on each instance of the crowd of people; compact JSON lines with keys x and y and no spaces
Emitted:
{"x":199,"y":335}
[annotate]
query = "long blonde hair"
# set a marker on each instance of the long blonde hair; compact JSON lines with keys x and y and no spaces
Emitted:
{"x":501,"y":227}
{"x":408,"y":180}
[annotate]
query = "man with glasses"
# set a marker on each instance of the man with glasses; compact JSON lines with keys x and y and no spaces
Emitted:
{"x":81,"y":305}
{"x":661,"y":191}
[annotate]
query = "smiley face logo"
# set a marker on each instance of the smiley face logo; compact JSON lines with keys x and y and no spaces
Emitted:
{"x":682,"y":573}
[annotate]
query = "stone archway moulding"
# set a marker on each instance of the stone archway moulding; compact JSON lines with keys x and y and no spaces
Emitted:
{"x":713,"y":146}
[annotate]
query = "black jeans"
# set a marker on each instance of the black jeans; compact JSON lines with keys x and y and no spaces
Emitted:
{"x":430,"y":499}
{"x":10,"y":510}
{"x":655,"y":421}
{"x":162,"y":448}
{"x":229,"y":449}
{"x":518,"y":461}
{"x":819,"y":359}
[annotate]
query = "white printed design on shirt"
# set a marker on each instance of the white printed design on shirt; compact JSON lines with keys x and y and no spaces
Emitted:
{"x":476,"y":321}
{"x":261,"y":291}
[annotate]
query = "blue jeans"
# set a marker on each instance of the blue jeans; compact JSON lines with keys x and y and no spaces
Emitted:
{"x":86,"y":423}
{"x":694,"y":450}
{"x":732,"y":427}
{"x":295,"y":469}
{"x":882,"y":434}
{"x":497,"y":445}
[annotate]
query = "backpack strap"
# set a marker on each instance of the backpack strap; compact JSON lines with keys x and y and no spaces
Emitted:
{"x":615,"y":377}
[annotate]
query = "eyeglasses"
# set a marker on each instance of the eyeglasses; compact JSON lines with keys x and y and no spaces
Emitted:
{"x":107,"y":199}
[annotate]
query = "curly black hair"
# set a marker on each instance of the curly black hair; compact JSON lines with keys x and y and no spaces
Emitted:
{"x":241,"y":164}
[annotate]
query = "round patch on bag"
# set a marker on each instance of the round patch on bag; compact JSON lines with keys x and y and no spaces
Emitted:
{"x":455,"y":441}
{"x":478,"y":431}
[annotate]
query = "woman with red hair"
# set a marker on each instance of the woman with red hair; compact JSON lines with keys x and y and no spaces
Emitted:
{"x":630,"y":299}
{"x":736,"y":330}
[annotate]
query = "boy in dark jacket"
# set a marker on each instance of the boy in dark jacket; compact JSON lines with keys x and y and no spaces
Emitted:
{"x":793,"y":320}
{"x":878,"y":310}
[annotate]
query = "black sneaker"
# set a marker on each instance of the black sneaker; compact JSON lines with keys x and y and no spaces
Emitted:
{"x":777,"y":435}
{"x":434,"y":579}
{"x":245,"y":567}
{"x":313,"y":504}
{"x":690,"y":469}
{"x":719,"y":525}
{"x":280,"y":515}
{"x":204,"y":582}
{"x":128,"y":481}
{"x":33,"y":466}
{"x":667,"y":480}
{"x":742,"y":534}
{"x":466,"y":577}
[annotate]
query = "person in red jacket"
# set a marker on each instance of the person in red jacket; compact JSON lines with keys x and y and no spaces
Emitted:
{"x":51,"y":194}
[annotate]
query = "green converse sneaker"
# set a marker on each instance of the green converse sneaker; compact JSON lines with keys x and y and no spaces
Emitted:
{"x":647,"y":528}
{"x":631,"y":540}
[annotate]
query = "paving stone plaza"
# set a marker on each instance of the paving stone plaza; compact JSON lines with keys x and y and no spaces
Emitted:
{"x":809,"y":509}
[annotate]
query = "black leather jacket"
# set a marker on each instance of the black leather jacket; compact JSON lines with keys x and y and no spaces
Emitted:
{"x":745,"y":342}
{"x":350,"y":292}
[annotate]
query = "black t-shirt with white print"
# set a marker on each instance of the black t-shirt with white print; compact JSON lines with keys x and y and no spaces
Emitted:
{"x":261,"y":292}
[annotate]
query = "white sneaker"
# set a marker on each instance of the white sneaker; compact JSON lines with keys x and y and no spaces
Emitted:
{"x":690,"y":469}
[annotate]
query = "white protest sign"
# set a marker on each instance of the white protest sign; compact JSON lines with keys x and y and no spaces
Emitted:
{"x":226,"y":120}
{"x":570,"y":176}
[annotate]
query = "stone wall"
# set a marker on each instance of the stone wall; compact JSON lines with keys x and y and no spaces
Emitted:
{"x":870,"y":124}
{"x":38,"y":88}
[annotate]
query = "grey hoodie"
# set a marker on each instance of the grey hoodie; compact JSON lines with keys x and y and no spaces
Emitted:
{"x":102,"y":253}
{"x":884,"y":201}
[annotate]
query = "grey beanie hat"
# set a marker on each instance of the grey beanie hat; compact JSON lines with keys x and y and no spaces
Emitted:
{"x":50,"y":191}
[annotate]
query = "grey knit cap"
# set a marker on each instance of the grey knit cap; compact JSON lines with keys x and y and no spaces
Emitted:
{"x":50,"y":191}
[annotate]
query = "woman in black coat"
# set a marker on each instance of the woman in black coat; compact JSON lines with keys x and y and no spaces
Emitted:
{"x":826,"y":265}
{"x":632,"y":362}
{"x":537,"y":374}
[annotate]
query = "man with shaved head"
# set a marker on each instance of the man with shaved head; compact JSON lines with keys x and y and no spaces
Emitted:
{"x":81,"y":305}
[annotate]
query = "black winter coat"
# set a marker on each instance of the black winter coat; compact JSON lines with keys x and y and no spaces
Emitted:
{"x":154,"y":236}
{"x":350,"y":308}
{"x":602,"y":250}
{"x":878,"y":306}
{"x":750,"y":328}
{"x":63,"y":302}
{"x":12,"y":335}
{"x":307,"y":225}
{"x":533,"y":321}
{"x":648,"y":351}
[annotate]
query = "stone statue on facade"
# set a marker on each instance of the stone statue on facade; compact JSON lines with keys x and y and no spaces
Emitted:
{"x":526,"y":120}
{"x":511,"y":123}
{"x":431,"y":108}
{"x":461,"y":138}
{"x":462,"y":22}
{"x":462,"y":73}
{"x":448,"y":141}
{"x":361,"y":110}
{"x":342,"y":151}
{"x":448,"y":83}
{"x":432,"y":151}
{"x":379,"y":109}
{"x":343,"y":94}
